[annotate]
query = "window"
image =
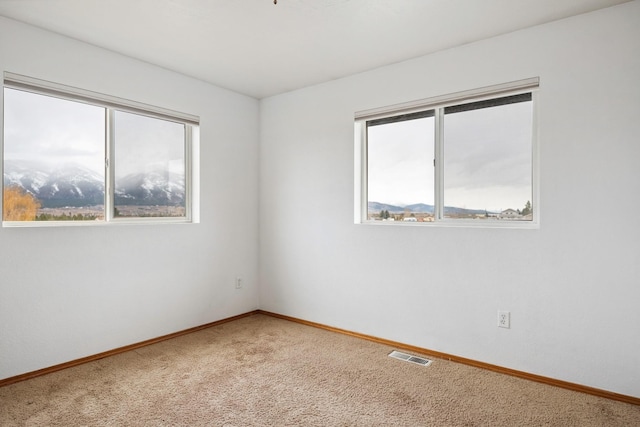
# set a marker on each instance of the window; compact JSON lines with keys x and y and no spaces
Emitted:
{"x":149,"y":167}
{"x":73,"y":155}
{"x":465,"y":159}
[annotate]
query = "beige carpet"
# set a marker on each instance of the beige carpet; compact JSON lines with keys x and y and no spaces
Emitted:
{"x":262,"y":371}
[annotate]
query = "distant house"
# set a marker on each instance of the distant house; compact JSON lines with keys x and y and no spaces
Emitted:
{"x":509,"y":214}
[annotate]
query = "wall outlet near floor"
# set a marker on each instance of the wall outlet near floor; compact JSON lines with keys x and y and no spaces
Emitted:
{"x":504,"y":319}
{"x":239,"y":283}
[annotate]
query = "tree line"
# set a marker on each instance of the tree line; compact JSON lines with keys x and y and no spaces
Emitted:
{"x":19,"y":205}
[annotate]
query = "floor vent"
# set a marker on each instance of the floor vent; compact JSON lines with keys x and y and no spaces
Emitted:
{"x":410,"y":358}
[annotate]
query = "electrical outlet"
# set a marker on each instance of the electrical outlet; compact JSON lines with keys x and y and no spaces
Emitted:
{"x":238,"y":282}
{"x":504,"y":319}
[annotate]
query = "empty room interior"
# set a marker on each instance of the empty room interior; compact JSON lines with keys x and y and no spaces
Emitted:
{"x":289,"y":204}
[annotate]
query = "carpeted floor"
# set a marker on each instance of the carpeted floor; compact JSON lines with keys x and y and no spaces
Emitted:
{"x":263,"y":371}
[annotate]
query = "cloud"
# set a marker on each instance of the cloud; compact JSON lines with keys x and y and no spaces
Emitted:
{"x":53,"y":132}
{"x":487,"y":159}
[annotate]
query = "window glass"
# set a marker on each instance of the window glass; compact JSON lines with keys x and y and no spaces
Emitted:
{"x":149,"y":167}
{"x":467,"y":158}
{"x":83,"y":157}
{"x":487,"y":159}
{"x":53,"y":158}
{"x":400,"y":168}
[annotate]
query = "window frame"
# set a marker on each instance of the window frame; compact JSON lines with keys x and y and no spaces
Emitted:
{"x":111,"y":104}
{"x":438,"y":105}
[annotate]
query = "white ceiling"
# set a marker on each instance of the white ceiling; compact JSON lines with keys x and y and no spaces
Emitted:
{"x":261,"y":49}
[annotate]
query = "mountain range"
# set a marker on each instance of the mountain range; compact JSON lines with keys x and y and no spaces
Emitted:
{"x":376,"y":207}
{"x":75,"y":185}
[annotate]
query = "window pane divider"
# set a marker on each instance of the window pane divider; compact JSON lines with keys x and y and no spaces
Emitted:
{"x":109,"y":185}
{"x":439,"y":165}
{"x":188,"y":172}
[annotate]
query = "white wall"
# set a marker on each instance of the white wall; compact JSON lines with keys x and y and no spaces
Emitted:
{"x":71,"y":292}
{"x":573,"y":286}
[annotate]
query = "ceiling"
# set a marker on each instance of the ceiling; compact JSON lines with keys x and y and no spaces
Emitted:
{"x":260,"y":49}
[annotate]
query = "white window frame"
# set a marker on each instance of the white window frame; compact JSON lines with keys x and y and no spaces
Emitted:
{"x":112,"y":104}
{"x":438,"y":104}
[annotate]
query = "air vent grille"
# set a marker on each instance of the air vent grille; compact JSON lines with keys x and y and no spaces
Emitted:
{"x":409,"y":358}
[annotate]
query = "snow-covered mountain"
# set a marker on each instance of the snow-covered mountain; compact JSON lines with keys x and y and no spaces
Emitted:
{"x":74,"y":185}
{"x":154,"y":188}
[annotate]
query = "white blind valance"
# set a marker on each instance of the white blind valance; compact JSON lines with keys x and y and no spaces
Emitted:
{"x":453,"y":98}
{"x":30,"y":84}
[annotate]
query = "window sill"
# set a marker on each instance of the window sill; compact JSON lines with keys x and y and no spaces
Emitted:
{"x":97,"y":223}
{"x":518,"y":225}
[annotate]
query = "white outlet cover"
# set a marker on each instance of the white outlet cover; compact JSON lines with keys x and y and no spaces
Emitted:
{"x":504,"y":319}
